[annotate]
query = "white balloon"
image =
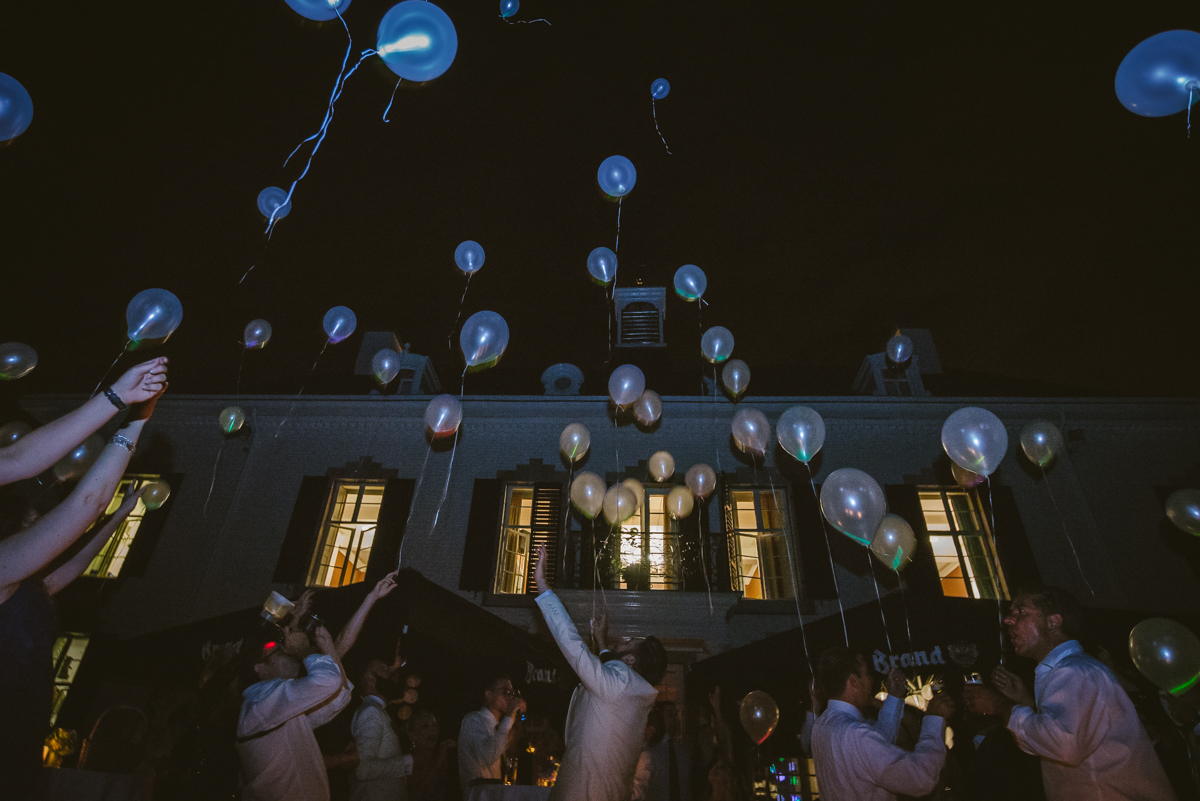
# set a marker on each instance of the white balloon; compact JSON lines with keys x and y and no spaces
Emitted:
{"x":575,"y":441}
{"x":626,"y":384}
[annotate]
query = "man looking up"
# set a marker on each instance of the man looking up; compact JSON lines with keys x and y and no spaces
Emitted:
{"x":483,"y":736}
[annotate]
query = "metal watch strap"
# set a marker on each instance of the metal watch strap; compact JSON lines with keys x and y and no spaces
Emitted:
{"x":124,"y":442}
{"x":115,"y":399}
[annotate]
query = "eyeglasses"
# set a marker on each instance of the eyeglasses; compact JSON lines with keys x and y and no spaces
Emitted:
{"x":507,"y":692}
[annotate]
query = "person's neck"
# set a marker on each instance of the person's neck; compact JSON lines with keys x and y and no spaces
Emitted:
{"x":496,"y":711}
{"x":1046,"y":645}
{"x":846,"y":698}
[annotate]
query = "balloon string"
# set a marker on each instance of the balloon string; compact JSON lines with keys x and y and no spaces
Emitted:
{"x":241,"y":363}
{"x":458,"y":316}
{"x":413,"y":505}
{"x":522,"y":21}
{"x":879,"y":598}
{"x":654,"y":112}
{"x":256,"y":261}
{"x":703,"y":535}
{"x":717,"y":444}
{"x":617,"y":244}
{"x":450,"y":469}
{"x":907,"y":625}
{"x":1062,"y":520}
{"x":996,"y":555}
{"x":337,"y":82}
{"x":1189,"y":113}
{"x":828,"y":549}
{"x":393,"y":98}
{"x":292,"y":408}
{"x":213,"y":483}
{"x":109,"y":370}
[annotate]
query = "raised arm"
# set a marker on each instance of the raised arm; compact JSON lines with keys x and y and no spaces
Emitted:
{"x":40,"y":449}
{"x":70,"y":570}
{"x":349,"y":632}
{"x":1070,"y":721}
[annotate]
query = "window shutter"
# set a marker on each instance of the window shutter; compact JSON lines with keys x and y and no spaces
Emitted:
{"x":693,"y":535}
{"x":815,"y":572}
{"x":545,"y":522}
{"x":479,"y":550}
{"x":295,"y":556}
{"x":1017,"y":561}
{"x":389,"y":532}
{"x":150,"y":530}
{"x":922,"y":575}
{"x":730,"y":550}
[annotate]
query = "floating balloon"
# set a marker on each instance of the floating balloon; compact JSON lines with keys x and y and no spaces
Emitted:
{"x":660,"y":89}
{"x":716,"y":344}
{"x":417,"y":40}
{"x":690,"y":282}
{"x":318,"y":10}
{"x":77,"y":462}
{"x":575,"y":441}
{"x":1183,"y":509}
{"x":1167,"y":653}
{"x":899,"y":349}
{"x":1041,"y":440}
{"x":386,"y":366}
{"x":602,"y":265}
{"x":616,"y":176}
{"x":231,"y":419}
{"x":587,"y":494}
{"x":11,"y":432}
{"x":273,"y":203}
{"x":153,"y":314}
{"x":1161,"y":76}
{"x":751,"y":431}
{"x":639,"y":492}
{"x":16,"y":108}
{"x":759,"y":715}
{"x":966,"y":478}
{"x":469,"y":257}
{"x":853,"y":503}
{"x":647,"y":409}
{"x":509,"y":7}
{"x":801,"y":432}
{"x":680,"y":502}
{"x":484,"y":336}
{"x":975,"y":439}
{"x":894,"y":542}
{"x":735,"y":376}
{"x":339,"y":323}
{"x":625,"y":385}
{"x":16,"y":360}
{"x":619,"y":504}
{"x":443,"y":415}
{"x":156,"y":494}
{"x":701,"y":480}
{"x":257,"y":334}
{"x":662,"y":465}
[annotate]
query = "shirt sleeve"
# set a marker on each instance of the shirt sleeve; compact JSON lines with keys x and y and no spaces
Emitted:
{"x":890,"y":717}
{"x":321,"y":688}
{"x":902,"y":772}
{"x":368,"y":731}
{"x":328,"y":710}
{"x":1070,"y":721}
{"x":482,"y":742}
{"x":587,"y":666}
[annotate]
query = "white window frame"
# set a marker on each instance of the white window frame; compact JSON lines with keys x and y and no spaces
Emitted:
{"x":779,"y":585}
{"x":111,"y":559}
{"x":660,"y":551}
{"x":964,"y":530}
{"x":360,"y":536}
{"x":512,"y":559}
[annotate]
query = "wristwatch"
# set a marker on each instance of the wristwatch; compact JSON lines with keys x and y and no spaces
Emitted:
{"x":115,"y":399}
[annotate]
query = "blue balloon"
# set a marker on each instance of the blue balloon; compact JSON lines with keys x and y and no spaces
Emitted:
{"x":1158,"y":77}
{"x":616,"y":176}
{"x":509,"y":7}
{"x":153,"y":314}
{"x":417,"y":40}
{"x":319,"y":10}
{"x":339,"y":323}
{"x":690,"y":282}
{"x":469,"y":256}
{"x":660,"y":89}
{"x":16,"y":108}
{"x":483,"y":338}
{"x":271,"y":199}
{"x":602,"y":264}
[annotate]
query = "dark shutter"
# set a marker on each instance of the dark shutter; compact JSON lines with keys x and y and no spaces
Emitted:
{"x":479,"y":550}
{"x":807,"y":527}
{"x":693,"y":535}
{"x":150,"y":530}
{"x":545,"y":522}
{"x":921,"y":576}
{"x":389,"y":531}
{"x":1017,"y":561}
{"x":295,"y":556}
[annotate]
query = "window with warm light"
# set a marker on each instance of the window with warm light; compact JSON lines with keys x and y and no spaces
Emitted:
{"x":110,"y":560}
{"x":757,"y":525}
{"x":68,"y":652}
{"x":512,"y":566}
{"x":347,"y":534}
{"x":962,"y":549}
{"x":650,"y":546}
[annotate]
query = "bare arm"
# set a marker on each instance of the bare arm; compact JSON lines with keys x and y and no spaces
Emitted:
{"x":40,"y":449}
{"x":70,"y":570}
{"x":349,"y":632}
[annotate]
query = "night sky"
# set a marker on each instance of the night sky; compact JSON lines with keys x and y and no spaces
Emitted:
{"x":839,"y":169}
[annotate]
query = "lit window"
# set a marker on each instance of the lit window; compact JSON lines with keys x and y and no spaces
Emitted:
{"x":347,"y":534}
{"x":649,"y":557}
{"x":68,"y":651}
{"x":961,"y":547}
{"x":513,"y":564}
{"x":111,"y":559}
{"x":757,"y":527}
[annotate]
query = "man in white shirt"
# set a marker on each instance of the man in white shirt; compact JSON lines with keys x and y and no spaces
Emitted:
{"x":1078,"y":720}
{"x":854,"y":760}
{"x":382,"y":768}
{"x":887,"y":722}
{"x":606,"y":721}
{"x":483,"y":735}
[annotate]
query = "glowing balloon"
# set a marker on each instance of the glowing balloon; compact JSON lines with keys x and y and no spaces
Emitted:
{"x":1167,"y":653}
{"x":680,"y":502}
{"x":77,"y":462}
{"x":11,"y":432}
{"x":966,"y":478}
{"x":899,"y":349}
{"x":639,"y":492}
{"x":716,"y":344}
{"x":339,"y":323}
{"x":575,"y":441}
{"x":484,"y":336}
{"x":16,"y":360}
{"x":626,"y":384}
{"x":16,"y":108}
{"x":690,"y":282}
{"x":156,"y":494}
{"x":759,"y":715}
{"x":443,"y":415}
{"x":273,"y":203}
{"x":735,"y":376}
{"x":386,"y":366}
{"x":1041,"y":440}
{"x":801,"y":432}
{"x":509,"y":7}
{"x":231,"y":419}
{"x":662,"y":466}
{"x":318,"y":10}
{"x":469,"y":257}
{"x":975,"y":439}
{"x":616,"y":176}
{"x":153,"y":314}
{"x":257,"y":334}
{"x":660,"y":89}
{"x":751,"y":431}
{"x":701,"y":480}
{"x":894,"y":542}
{"x":602,"y":265}
{"x":1183,"y":509}
{"x":587,"y":494}
{"x":853,"y":503}
{"x":647,"y":408}
{"x":416,"y":40}
{"x":1161,"y":76}
{"x":619,"y":504}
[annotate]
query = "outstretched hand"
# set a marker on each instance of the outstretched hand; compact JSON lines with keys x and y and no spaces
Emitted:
{"x":130,"y":502}
{"x":1011,"y":687}
{"x":539,"y":569}
{"x":142,"y":382}
{"x":384,"y":586}
{"x":600,"y":629}
{"x":896,"y":683}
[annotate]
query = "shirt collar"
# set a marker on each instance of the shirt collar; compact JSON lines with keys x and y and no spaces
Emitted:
{"x":376,"y":700}
{"x":1060,"y":651}
{"x":841,"y":706}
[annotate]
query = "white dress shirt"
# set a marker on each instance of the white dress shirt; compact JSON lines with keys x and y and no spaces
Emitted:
{"x":481,"y":743}
{"x":886,"y":723}
{"x":382,"y":768}
{"x":855,"y":761}
{"x":1087,"y":733}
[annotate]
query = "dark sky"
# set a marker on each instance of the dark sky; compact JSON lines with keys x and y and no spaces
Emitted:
{"x":840,"y":168}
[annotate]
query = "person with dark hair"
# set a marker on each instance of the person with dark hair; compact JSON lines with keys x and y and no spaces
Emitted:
{"x":483,"y":735}
{"x":382,"y":768}
{"x":1078,"y":719}
{"x":606,"y":721}
{"x":854,"y":760}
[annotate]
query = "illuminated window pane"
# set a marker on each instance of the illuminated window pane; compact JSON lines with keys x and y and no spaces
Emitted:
{"x":934,"y":510}
{"x":649,"y":553}
{"x":348,"y":534}
{"x":513,"y":563}
{"x":758,"y":543}
{"x":110,"y":560}
{"x":68,"y":652}
{"x":963,"y":555}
